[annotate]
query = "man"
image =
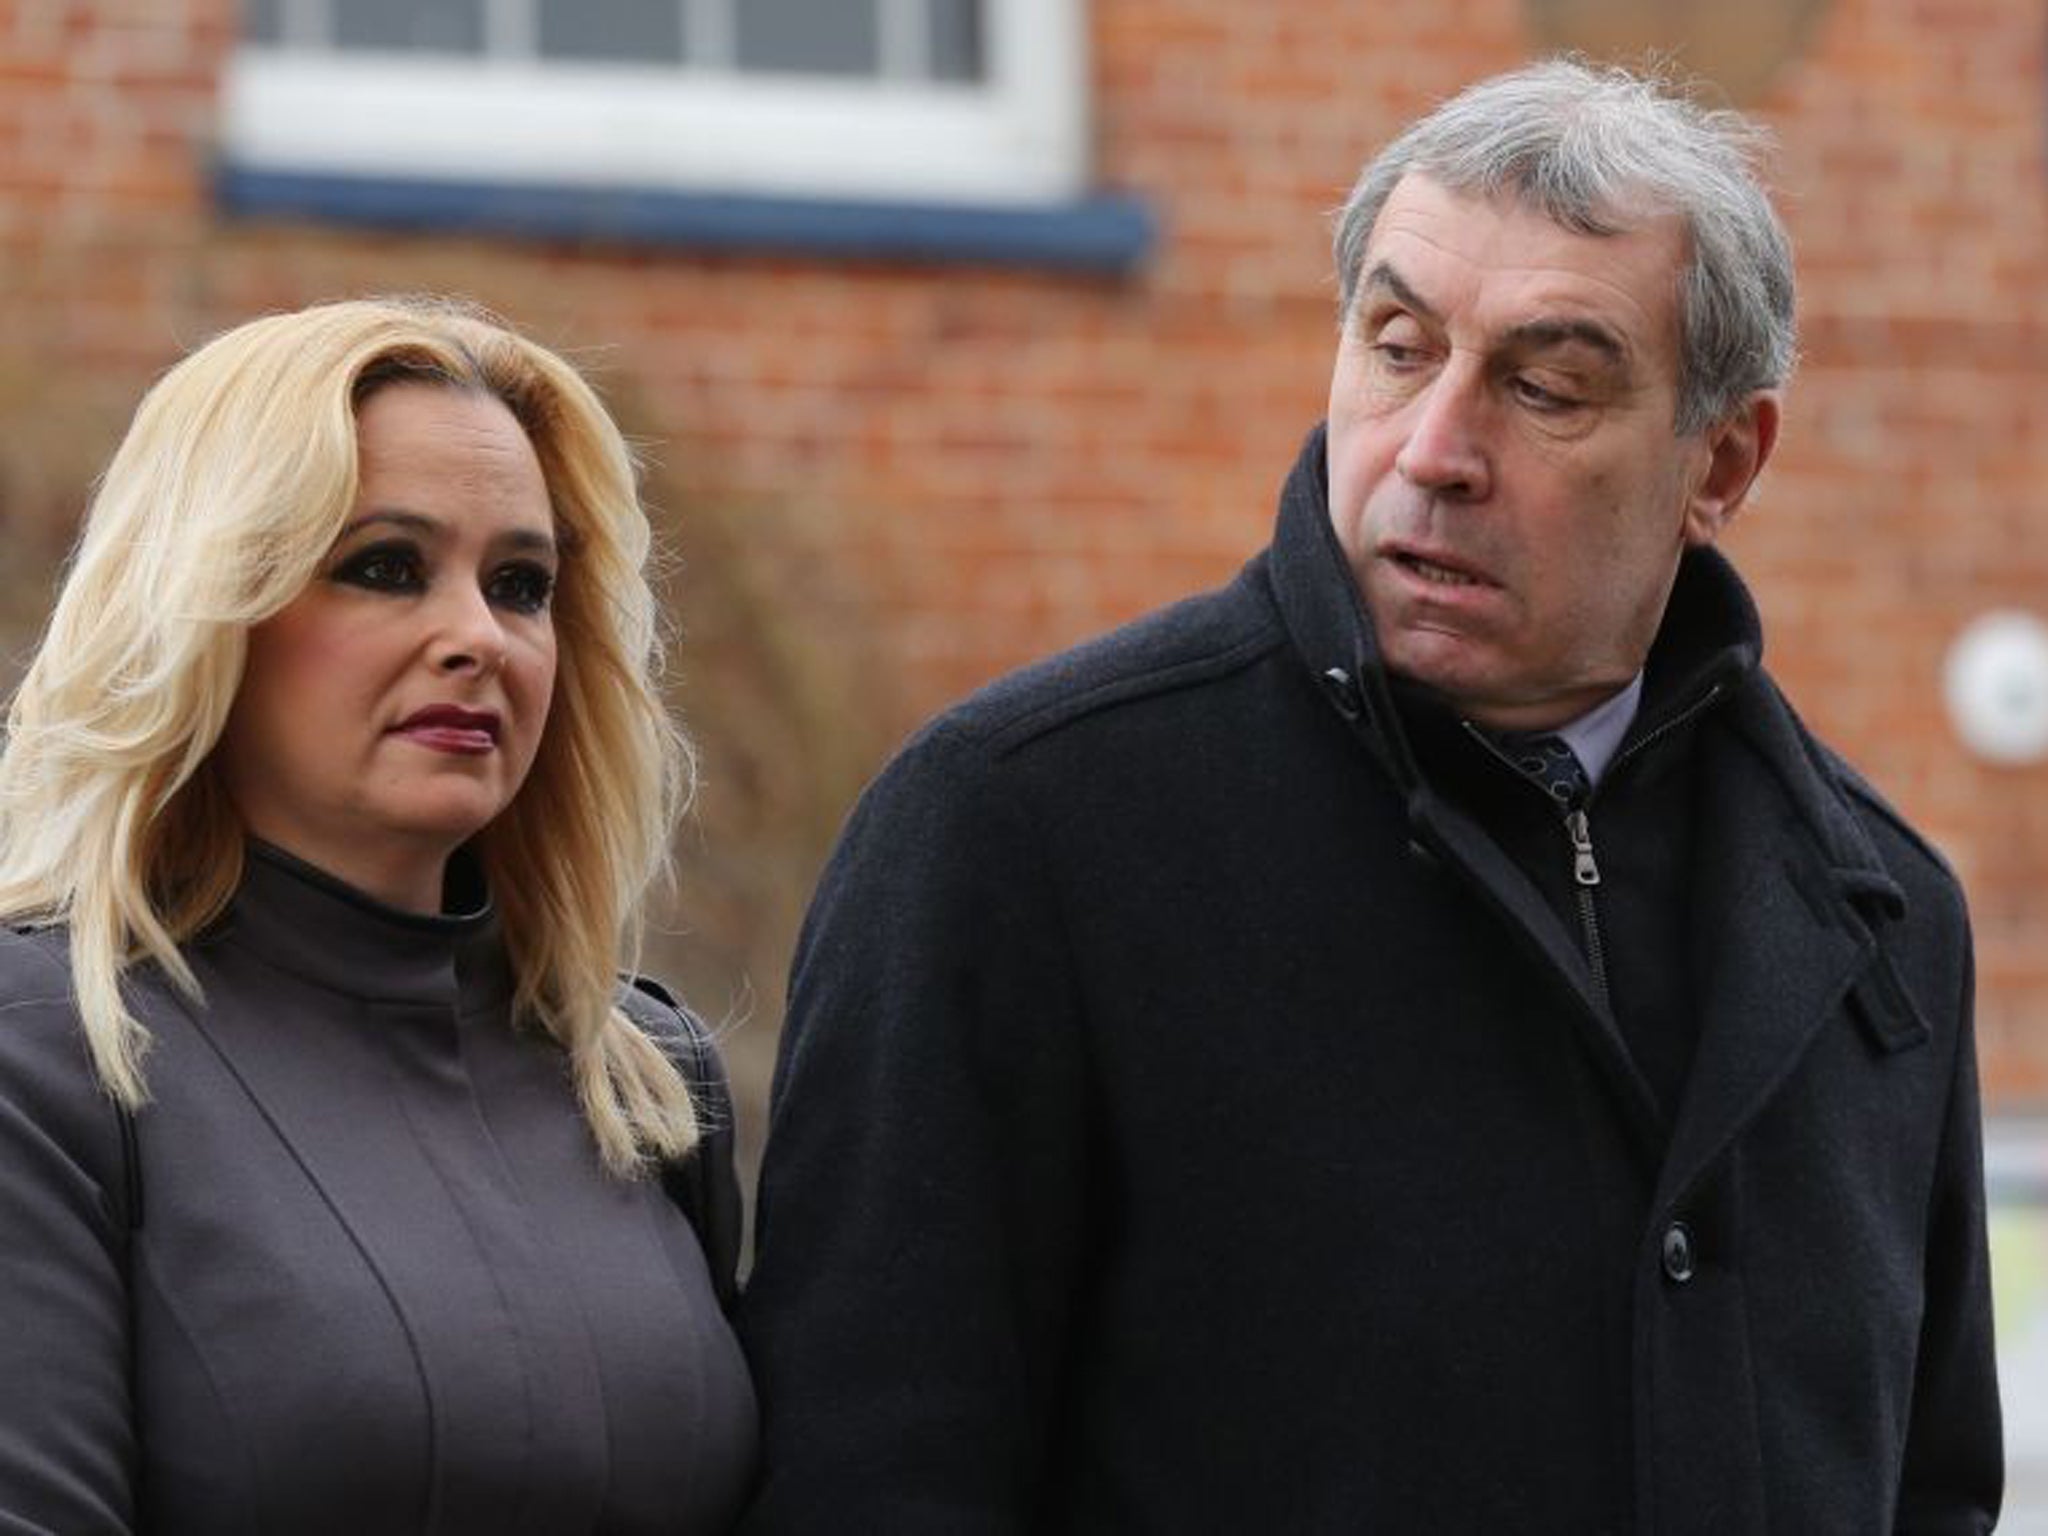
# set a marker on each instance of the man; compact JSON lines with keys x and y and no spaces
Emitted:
{"x":1240,"y":1079}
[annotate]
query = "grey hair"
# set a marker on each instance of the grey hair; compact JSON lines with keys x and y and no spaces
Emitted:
{"x":1599,"y":150}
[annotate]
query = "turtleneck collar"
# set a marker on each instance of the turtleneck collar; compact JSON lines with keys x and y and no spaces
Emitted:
{"x":305,"y":921}
{"x":1710,"y":638}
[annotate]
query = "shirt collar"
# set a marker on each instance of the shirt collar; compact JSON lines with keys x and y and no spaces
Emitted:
{"x":1596,"y":736}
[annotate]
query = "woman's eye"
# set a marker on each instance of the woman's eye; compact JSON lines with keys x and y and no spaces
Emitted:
{"x":521,"y":587}
{"x":382,"y":569}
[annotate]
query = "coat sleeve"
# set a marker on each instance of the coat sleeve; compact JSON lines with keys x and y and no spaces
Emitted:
{"x":1954,"y":1467}
{"x":66,"y":1437}
{"x":714,"y":1172}
{"x":706,"y":1184}
{"x":923,"y":1195}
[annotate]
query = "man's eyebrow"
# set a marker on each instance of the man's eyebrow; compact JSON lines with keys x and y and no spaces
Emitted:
{"x":1537,"y":335}
{"x":1531,"y":335}
{"x":1383,"y":278}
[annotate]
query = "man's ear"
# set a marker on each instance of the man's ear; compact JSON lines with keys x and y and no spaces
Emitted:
{"x":1738,"y":446}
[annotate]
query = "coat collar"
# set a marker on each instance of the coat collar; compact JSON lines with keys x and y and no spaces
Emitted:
{"x":1711,"y":637}
{"x":1320,"y":605}
{"x":1791,"y":892}
{"x":304,"y":921}
{"x":1789,"y":917}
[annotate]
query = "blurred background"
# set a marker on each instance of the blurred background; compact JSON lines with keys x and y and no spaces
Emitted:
{"x":956,"y":330}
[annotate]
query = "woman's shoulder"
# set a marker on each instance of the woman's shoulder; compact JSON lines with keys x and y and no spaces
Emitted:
{"x":33,"y":959}
{"x":680,"y":1032}
{"x":705,"y":1185}
{"x":36,"y":1009}
{"x":49,"y":1094}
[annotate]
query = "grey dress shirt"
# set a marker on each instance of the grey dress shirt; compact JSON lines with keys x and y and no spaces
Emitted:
{"x":371,"y":1278}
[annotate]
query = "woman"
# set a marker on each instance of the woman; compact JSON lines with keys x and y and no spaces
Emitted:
{"x":326,"y":810}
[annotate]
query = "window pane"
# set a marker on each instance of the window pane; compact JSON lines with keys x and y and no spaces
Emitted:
{"x":260,"y":22}
{"x":440,"y":26}
{"x":621,"y":31}
{"x":957,"y":40}
{"x":832,"y":37}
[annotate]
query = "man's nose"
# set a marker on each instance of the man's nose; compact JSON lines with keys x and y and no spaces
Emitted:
{"x":1445,"y":452}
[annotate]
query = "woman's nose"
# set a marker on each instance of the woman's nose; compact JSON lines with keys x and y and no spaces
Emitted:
{"x":470,"y":636}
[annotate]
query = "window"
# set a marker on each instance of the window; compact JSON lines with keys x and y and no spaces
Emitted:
{"x":962,"y":102}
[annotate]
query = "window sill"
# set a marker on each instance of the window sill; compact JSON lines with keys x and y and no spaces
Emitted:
{"x":1106,"y":234}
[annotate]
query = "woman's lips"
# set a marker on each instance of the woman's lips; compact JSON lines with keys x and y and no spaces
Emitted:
{"x":447,"y":728}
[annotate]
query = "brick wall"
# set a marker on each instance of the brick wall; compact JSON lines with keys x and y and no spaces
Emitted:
{"x":956,"y":469}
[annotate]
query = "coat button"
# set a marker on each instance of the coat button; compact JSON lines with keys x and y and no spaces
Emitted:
{"x":1343,"y":693}
{"x":1678,"y":1254}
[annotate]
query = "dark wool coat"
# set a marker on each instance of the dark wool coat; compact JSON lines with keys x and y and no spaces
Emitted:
{"x":1196,"y":1117}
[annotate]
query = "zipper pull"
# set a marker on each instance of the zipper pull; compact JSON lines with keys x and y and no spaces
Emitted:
{"x":1584,"y":870}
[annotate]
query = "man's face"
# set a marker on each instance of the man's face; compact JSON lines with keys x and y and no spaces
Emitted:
{"x":1504,"y":476}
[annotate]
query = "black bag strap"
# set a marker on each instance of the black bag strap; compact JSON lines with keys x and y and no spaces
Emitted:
{"x":704,"y":1185}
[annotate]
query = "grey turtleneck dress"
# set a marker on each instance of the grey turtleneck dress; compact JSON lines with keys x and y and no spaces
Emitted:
{"x":359,"y":1269}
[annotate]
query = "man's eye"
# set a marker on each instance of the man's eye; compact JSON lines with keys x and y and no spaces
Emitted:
{"x":1398,"y":356}
{"x":1539,"y":398}
{"x":382,"y":568}
{"x":521,"y":587}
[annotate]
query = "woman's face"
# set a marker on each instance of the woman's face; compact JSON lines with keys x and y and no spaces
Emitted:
{"x":393,"y":708}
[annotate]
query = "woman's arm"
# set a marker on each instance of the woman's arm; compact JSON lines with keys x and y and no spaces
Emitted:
{"x":67,"y":1439}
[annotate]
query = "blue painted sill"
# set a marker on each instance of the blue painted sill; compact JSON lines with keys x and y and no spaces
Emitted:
{"x":1105,"y":234}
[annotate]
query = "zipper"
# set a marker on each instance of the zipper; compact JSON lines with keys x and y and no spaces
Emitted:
{"x":1649,"y":738}
{"x":1585,"y":866}
{"x":1585,"y":877}
{"x":1579,"y":830}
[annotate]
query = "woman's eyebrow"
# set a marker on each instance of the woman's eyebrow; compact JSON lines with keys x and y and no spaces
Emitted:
{"x":529,"y":539}
{"x":524,"y":540}
{"x":410,"y":522}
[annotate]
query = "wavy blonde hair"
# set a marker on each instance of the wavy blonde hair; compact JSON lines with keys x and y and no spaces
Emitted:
{"x":230,"y":489}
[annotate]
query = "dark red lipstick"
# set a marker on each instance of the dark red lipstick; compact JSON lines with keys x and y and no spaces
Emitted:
{"x":450,"y":728}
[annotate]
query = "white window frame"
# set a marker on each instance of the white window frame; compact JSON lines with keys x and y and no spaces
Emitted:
{"x":1018,"y":137}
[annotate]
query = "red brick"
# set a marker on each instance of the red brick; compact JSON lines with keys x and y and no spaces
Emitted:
{"x":965,"y":468}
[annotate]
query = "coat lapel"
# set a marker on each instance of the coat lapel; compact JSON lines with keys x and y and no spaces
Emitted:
{"x":1786,"y":878}
{"x":1508,"y":888}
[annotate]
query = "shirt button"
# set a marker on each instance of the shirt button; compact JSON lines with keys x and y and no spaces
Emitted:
{"x":1678,"y":1254}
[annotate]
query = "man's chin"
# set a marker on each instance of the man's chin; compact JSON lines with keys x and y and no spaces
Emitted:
{"x":1447,"y":662}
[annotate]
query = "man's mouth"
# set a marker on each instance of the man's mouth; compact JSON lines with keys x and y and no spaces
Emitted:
{"x":1435,"y":572}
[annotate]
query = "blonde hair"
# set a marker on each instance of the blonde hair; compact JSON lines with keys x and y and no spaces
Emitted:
{"x":232,"y":485}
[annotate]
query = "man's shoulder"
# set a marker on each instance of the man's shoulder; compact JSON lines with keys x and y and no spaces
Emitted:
{"x":1195,"y":643}
{"x":1857,"y":827}
{"x":1885,"y":822}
